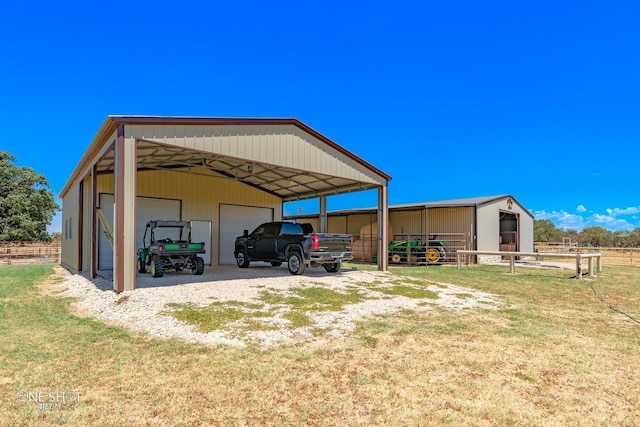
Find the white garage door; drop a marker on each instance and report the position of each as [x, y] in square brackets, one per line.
[146, 209]
[234, 220]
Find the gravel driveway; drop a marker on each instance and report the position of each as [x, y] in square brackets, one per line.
[145, 308]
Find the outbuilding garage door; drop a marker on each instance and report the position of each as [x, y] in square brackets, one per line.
[234, 220]
[146, 209]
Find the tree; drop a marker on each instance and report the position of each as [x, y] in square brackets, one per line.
[27, 205]
[620, 238]
[596, 236]
[543, 230]
[633, 239]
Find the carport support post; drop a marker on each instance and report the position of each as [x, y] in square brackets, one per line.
[512, 265]
[124, 233]
[383, 227]
[323, 215]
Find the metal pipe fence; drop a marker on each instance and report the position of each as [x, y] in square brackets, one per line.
[412, 249]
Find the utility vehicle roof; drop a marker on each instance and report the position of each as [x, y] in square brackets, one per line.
[163, 223]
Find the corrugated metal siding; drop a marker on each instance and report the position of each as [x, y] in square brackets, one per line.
[351, 224]
[86, 225]
[406, 223]
[337, 224]
[526, 233]
[70, 227]
[489, 228]
[451, 220]
[357, 224]
[281, 145]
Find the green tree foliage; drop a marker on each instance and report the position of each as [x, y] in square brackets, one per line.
[546, 231]
[543, 230]
[27, 205]
[633, 239]
[596, 236]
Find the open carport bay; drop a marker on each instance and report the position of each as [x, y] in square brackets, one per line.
[261, 305]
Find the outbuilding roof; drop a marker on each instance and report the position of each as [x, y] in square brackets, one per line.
[285, 181]
[466, 202]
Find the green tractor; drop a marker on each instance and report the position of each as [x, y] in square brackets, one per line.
[434, 253]
[170, 248]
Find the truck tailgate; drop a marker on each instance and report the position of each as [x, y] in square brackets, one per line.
[329, 242]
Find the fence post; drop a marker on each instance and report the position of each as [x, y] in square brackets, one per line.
[459, 261]
[512, 265]
[579, 267]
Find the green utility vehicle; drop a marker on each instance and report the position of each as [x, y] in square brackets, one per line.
[431, 254]
[170, 248]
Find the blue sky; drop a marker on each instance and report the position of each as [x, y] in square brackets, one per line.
[539, 99]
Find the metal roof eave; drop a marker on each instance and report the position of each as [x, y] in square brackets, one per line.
[112, 122]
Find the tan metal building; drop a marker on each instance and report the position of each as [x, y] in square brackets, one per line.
[490, 223]
[223, 174]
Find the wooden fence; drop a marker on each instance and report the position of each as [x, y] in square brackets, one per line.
[610, 256]
[29, 252]
[513, 255]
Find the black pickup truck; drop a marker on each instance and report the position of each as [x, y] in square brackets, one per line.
[293, 243]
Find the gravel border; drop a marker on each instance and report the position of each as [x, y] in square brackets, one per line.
[141, 310]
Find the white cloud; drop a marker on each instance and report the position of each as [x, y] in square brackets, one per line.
[611, 222]
[562, 219]
[626, 211]
[581, 208]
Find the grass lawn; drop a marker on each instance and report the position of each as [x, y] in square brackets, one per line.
[552, 354]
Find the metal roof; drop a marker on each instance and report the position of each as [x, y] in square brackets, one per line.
[466, 202]
[471, 201]
[284, 182]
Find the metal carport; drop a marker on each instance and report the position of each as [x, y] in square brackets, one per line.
[284, 158]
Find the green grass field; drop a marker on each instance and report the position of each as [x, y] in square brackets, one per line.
[552, 354]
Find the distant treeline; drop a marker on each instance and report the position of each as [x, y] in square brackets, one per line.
[545, 231]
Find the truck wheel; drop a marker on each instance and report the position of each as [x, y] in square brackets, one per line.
[332, 268]
[295, 263]
[242, 260]
[157, 267]
[198, 268]
[433, 255]
[141, 267]
[276, 263]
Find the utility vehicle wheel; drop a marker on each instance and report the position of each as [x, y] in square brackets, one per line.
[242, 260]
[276, 263]
[198, 268]
[157, 267]
[332, 268]
[295, 263]
[396, 258]
[141, 267]
[433, 255]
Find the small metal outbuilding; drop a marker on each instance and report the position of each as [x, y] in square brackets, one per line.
[223, 174]
[491, 223]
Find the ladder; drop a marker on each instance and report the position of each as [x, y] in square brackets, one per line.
[105, 226]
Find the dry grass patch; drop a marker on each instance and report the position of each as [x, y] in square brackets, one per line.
[555, 355]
